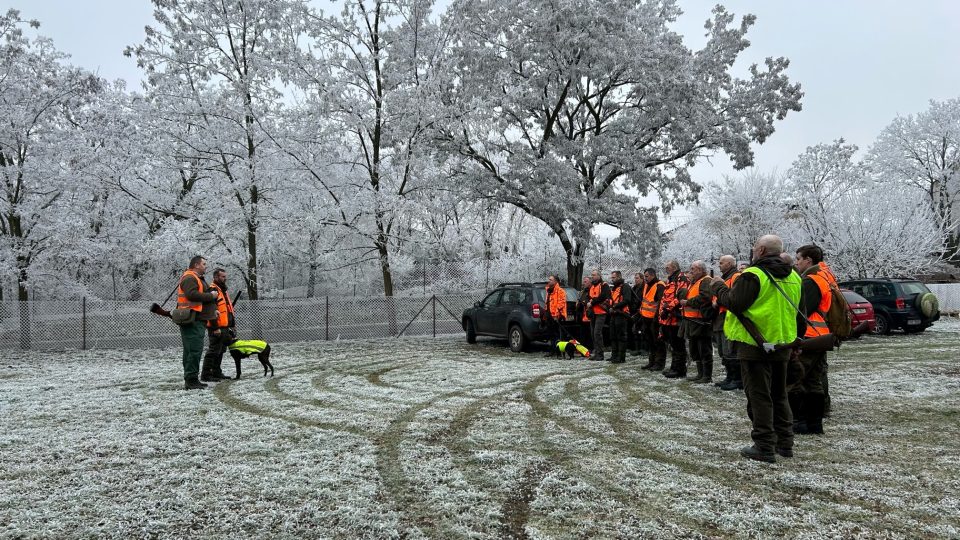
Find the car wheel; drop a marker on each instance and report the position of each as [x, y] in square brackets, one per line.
[518, 341]
[883, 324]
[928, 305]
[471, 332]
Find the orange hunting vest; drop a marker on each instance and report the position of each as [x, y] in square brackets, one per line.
[594, 294]
[224, 308]
[729, 282]
[689, 312]
[557, 302]
[182, 301]
[616, 294]
[648, 306]
[818, 325]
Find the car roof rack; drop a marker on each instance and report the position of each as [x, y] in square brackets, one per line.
[515, 284]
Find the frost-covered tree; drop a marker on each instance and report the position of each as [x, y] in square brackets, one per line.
[882, 229]
[820, 180]
[43, 202]
[868, 225]
[366, 75]
[217, 64]
[571, 110]
[923, 151]
[732, 214]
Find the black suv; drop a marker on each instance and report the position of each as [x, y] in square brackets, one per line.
[513, 311]
[898, 303]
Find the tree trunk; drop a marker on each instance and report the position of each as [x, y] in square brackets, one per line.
[575, 264]
[313, 266]
[23, 304]
[253, 290]
[387, 274]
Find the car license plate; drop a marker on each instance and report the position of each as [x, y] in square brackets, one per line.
[913, 321]
[859, 311]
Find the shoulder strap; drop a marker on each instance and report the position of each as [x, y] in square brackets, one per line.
[752, 329]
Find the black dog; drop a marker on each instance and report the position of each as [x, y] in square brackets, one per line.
[242, 348]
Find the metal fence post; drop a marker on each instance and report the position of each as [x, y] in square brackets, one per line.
[83, 323]
[433, 300]
[326, 318]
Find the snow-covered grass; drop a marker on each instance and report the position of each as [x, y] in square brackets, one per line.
[439, 439]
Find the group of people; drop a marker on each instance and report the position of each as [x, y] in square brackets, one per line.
[751, 314]
[213, 316]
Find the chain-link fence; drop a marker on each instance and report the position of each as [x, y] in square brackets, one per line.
[44, 325]
[99, 324]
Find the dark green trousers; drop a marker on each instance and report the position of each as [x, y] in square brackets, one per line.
[814, 365]
[192, 337]
[619, 326]
[596, 329]
[765, 383]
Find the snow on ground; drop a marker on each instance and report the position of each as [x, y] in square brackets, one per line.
[439, 439]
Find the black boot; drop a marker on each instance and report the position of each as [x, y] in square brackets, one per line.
[660, 363]
[753, 453]
[797, 401]
[707, 372]
[814, 410]
[615, 351]
[729, 376]
[736, 381]
[678, 369]
[699, 375]
[191, 383]
[622, 356]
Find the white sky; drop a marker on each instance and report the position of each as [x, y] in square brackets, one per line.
[860, 62]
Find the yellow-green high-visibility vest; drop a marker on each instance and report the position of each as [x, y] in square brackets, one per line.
[774, 316]
[248, 346]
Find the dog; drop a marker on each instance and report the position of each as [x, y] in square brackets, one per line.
[243, 348]
[570, 348]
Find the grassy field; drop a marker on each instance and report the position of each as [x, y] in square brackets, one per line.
[439, 439]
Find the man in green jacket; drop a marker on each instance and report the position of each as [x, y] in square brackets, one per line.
[194, 294]
[761, 314]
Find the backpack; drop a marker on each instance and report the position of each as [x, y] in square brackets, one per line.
[839, 318]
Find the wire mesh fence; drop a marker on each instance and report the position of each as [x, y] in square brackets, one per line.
[103, 324]
[88, 324]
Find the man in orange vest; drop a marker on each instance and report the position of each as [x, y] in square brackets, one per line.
[635, 342]
[194, 294]
[724, 347]
[220, 330]
[807, 399]
[649, 323]
[670, 313]
[598, 308]
[583, 314]
[621, 300]
[556, 311]
[697, 324]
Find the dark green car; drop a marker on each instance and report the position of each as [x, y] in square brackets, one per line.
[898, 304]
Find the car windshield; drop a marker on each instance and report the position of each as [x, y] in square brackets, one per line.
[913, 287]
[853, 298]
